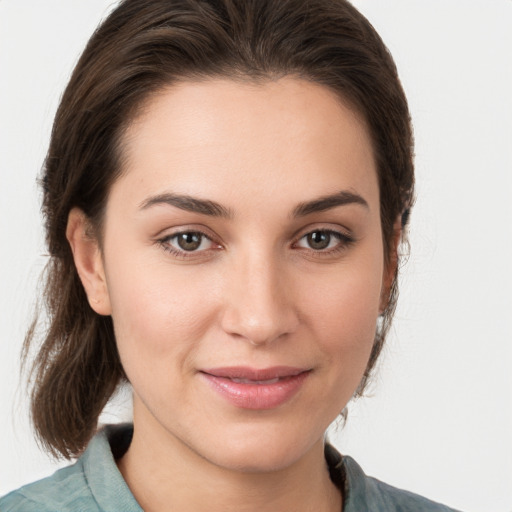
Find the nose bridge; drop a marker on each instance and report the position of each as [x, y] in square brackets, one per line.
[257, 305]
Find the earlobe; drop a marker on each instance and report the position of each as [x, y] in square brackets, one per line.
[390, 270]
[88, 261]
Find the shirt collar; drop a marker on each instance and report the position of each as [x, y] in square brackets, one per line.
[104, 479]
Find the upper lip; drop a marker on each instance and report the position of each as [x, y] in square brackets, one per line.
[256, 374]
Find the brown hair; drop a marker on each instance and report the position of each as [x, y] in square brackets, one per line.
[141, 47]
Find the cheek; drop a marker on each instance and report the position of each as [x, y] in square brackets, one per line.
[158, 314]
[342, 308]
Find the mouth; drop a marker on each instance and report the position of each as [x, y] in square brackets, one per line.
[251, 388]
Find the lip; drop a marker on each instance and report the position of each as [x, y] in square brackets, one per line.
[254, 388]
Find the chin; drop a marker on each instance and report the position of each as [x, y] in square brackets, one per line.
[258, 451]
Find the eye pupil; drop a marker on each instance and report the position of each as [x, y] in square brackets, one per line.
[319, 240]
[189, 241]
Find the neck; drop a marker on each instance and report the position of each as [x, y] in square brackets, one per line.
[165, 474]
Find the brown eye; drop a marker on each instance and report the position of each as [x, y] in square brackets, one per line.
[189, 241]
[318, 240]
[188, 244]
[324, 241]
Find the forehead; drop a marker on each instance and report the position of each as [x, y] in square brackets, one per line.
[215, 137]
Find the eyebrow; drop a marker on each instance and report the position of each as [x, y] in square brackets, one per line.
[214, 209]
[188, 203]
[327, 202]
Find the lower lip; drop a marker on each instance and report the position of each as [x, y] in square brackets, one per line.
[257, 396]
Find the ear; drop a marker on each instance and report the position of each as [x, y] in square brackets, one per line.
[390, 266]
[88, 261]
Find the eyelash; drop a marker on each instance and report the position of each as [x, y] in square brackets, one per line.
[344, 240]
[165, 243]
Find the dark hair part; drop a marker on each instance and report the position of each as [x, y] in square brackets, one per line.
[140, 48]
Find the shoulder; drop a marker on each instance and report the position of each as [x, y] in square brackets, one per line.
[66, 489]
[364, 493]
[381, 496]
[92, 484]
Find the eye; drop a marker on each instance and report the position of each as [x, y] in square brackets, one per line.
[323, 240]
[188, 241]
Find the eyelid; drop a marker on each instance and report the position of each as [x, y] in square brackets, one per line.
[344, 237]
[170, 231]
[324, 227]
[164, 237]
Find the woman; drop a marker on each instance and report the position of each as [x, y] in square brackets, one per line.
[225, 192]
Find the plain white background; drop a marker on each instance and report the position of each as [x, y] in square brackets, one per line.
[439, 421]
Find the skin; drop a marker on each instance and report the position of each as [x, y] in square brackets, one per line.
[254, 293]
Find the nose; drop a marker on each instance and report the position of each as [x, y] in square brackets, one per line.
[259, 302]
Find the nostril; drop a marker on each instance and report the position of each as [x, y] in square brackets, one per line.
[259, 329]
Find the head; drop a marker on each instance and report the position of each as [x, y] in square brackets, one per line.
[139, 51]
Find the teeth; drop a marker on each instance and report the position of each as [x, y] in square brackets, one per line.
[248, 381]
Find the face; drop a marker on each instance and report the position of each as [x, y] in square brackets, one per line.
[243, 267]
